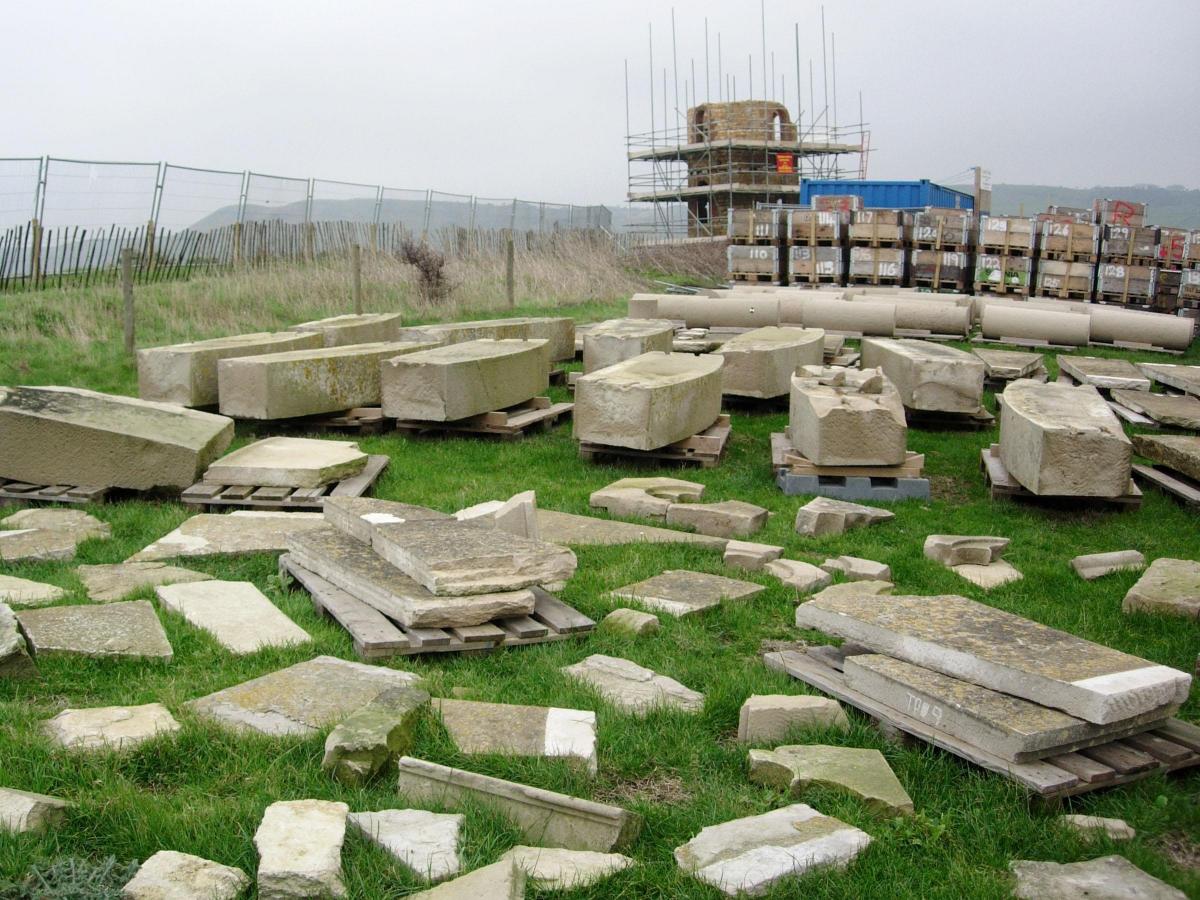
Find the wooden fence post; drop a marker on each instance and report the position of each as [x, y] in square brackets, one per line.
[356, 273]
[127, 295]
[509, 285]
[35, 262]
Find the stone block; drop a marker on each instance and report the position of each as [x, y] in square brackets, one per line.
[632, 688]
[855, 568]
[930, 377]
[841, 417]
[22, 811]
[681, 593]
[1180, 452]
[823, 516]
[299, 845]
[1174, 411]
[288, 462]
[770, 718]
[990, 575]
[760, 363]
[1169, 587]
[1104, 373]
[1008, 365]
[502, 880]
[113, 728]
[367, 328]
[616, 340]
[235, 533]
[128, 629]
[1096, 565]
[362, 744]
[236, 614]
[15, 661]
[512, 730]
[357, 516]
[555, 869]
[1103, 878]
[23, 592]
[425, 843]
[804, 577]
[957, 550]
[106, 583]
[863, 773]
[648, 498]
[750, 556]
[557, 331]
[729, 518]
[168, 875]
[516, 515]
[1182, 378]
[631, 621]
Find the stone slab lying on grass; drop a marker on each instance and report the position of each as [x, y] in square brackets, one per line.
[106, 583]
[501, 880]
[1002, 651]
[855, 568]
[929, 376]
[128, 629]
[1180, 452]
[555, 869]
[768, 718]
[804, 577]
[729, 518]
[236, 614]
[516, 515]
[1090, 826]
[357, 516]
[23, 592]
[425, 842]
[863, 773]
[1182, 378]
[750, 855]
[299, 845]
[648, 498]
[1170, 587]
[168, 875]
[1007, 365]
[853, 589]
[1103, 878]
[823, 515]
[631, 621]
[302, 699]
[846, 417]
[288, 462]
[219, 534]
[750, 556]
[569, 529]
[1176, 411]
[1104, 373]
[759, 363]
[63, 435]
[361, 328]
[73, 522]
[15, 661]
[362, 744]
[110, 727]
[616, 340]
[956, 550]
[988, 576]
[33, 545]
[46, 534]
[512, 730]
[1096, 565]
[632, 688]
[550, 818]
[22, 811]
[679, 592]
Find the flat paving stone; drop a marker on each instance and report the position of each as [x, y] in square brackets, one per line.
[512, 730]
[15, 660]
[569, 529]
[1175, 411]
[501, 880]
[110, 727]
[555, 869]
[750, 855]
[823, 515]
[299, 846]
[631, 687]
[1182, 378]
[288, 462]
[236, 533]
[426, 843]
[804, 577]
[75, 522]
[357, 516]
[106, 583]
[302, 699]
[864, 773]
[853, 589]
[769, 718]
[1180, 452]
[372, 736]
[23, 811]
[631, 621]
[1091, 566]
[679, 592]
[1102, 372]
[236, 613]
[128, 629]
[23, 592]
[33, 545]
[992, 575]
[168, 875]
[1169, 587]
[729, 518]
[1093, 826]
[1103, 878]
[48, 534]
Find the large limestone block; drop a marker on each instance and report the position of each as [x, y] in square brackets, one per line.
[186, 374]
[1180, 452]
[461, 380]
[760, 363]
[218, 534]
[614, 341]
[426, 843]
[513, 730]
[64, 435]
[129, 629]
[557, 331]
[371, 737]
[863, 773]
[288, 462]
[368, 328]
[547, 817]
[1101, 372]
[236, 613]
[299, 845]
[15, 661]
[632, 688]
[22, 811]
[113, 728]
[168, 875]
[1057, 440]
[1103, 878]
[929, 376]
[1170, 587]
[307, 382]
[842, 417]
[649, 401]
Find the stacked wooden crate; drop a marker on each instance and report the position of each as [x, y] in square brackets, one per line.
[877, 239]
[1005, 255]
[940, 248]
[1172, 258]
[755, 252]
[1067, 252]
[1189, 277]
[815, 243]
[1128, 254]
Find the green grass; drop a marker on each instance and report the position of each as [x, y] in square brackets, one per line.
[203, 791]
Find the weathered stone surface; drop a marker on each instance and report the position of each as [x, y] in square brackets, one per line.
[308, 382]
[106, 583]
[1103, 878]
[110, 727]
[804, 577]
[1104, 373]
[550, 818]
[769, 718]
[631, 621]
[186, 374]
[760, 363]
[236, 613]
[1091, 566]
[629, 687]
[29, 544]
[569, 529]
[1113, 829]
[616, 340]
[645, 497]
[22, 592]
[729, 518]
[557, 331]
[1008, 726]
[116, 629]
[992, 575]
[1057, 440]
[1175, 451]
[374, 735]
[355, 567]
[425, 842]
[513, 730]
[299, 845]
[338, 331]
[648, 401]
[45, 534]
[1177, 411]
[956, 549]
[516, 515]
[1182, 378]
[750, 855]
[861, 772]
[679, 592]
[929, 376]
[66, 435]
[22, 811]
[168, 875]
[1007, 365]
[15, 661]
[1170, 587]
[844, 417]
[750, 556]
[356, 516]
[302, 699]
[462, 380]
[855, 568]
[502, 880]
[243, 531]
[554, 869]
[288, 462]
[1001, 651]
[854, 588]
[823, 515]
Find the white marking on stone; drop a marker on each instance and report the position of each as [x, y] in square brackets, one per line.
[382, 518]
[572, 732]
[760, 867]
[1118, 682]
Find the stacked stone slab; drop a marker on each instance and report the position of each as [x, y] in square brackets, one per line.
[288, 462]
[338, 331]
[617, 340]
[846, 417]
[930, 377]
[1103, 373]
[760, 363]
[1180, 452]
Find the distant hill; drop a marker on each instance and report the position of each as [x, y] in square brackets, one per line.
[1172, 205]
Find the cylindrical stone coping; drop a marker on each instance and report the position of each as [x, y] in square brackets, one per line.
[720, 312]
[1111, 324]
[1031, 323]
[936, 318]
[857, 316]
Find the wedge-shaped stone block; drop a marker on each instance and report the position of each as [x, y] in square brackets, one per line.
[760, 363]
[631, 621]
[930, 377]
[769, 718]
[570, 530]
[729, 518]
[1096, 565]
[15, 661]
[1001, 651]
[1007, 365]
[425, 842]
[516, 515]
[679, 592]
[357, 516]
[513, 730]
[307, 382]
[462, 380]
[1062, 441]
[804, 577]
[550, 818]
[299, 845]
[1175, 451]
[748, 856]
[236, 533]
[634, 689]
[1093, 826]
[823, 515]
[616, 340]
[129, 629]
[1169, 587]
[186, 374]
[1103, 878]
[861, 772]
[555, 869]
[502, 880]
[23, 592]
[64, 435]
[366, 328]
[648, 498]
[106, 583]
[1104, 373]
[288, 462]
[842, 417]
[21, 811]
[750, 556]
[1173, 410]
[302, 699]
[648, 401]
[374, 735]
[110, 727]
[957, 549]
[168, 875]
[236, 613]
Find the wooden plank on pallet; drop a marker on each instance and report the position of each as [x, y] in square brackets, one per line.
[272, 494]
[200, 491]
[474, 634]
[357, 485]
[1125, 759]
[237, 492]
[1086, 769]
[556, 614]
[1168, 481]
[1160, 748]
[523, 627]
[1180, 732]
[372, 632]
[427, 637]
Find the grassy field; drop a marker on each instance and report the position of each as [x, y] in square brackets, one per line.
[204, 790]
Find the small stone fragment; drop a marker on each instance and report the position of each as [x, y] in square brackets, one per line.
[826, 516]
[22, 811]
[425, 842]
[236, 613]
[768, 718]
[1096, 565]
[992, 575]
[804, 577]
[681, 593]
[648, 498]
[956, 550]
[1170, 587]
[729, 518]
[555, 869]
[1103, 878]
[750, 556]
[632, 688]
[299, 846]
[110, 727]
[631, 621]
[15, 661]
[129, 629]
[1113, 829]
[372, 736]
[107, 583]
[168, 875]
[855, 568]
[870, 587]
[862, 772]
[501, 880]
[516, 515]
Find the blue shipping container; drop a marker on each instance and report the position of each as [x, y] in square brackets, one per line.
[888, 194]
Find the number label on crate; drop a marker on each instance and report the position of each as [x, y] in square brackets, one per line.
[762, 230]
[888, 269]
[925, 233]
[1110, 271]
[760, 252]
[825, 267]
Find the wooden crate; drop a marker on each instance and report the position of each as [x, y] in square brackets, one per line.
[1126, 283]
[205, 496]
[1119, 212]
[537, 414]
[754, 264]
[940, 269]
[878, 228]
[815, 228]
[1002, 485]
[876, 265]
[816, 265]
[944, 229]
[1069, 241]
[1064, 279]
[755, 226]
[999, 274]
[1011, 236]
[704, 449]
[1129, 244]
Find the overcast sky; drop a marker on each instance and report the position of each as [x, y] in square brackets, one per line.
[527, 97]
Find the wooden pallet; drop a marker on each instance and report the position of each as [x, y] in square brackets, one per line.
[538, 414]
[1068, 256]
[375, 636]
[1123, 298]
[1174, 746]
[1002, 485]
[1005, 250]
[21, 493]
[757, 278]
[986, 287]
[880, 243]
[938, 419]
[704, 449]
[1065, 294]
[359, 420]
[814, 279]
[785, 456]
[205, 496]
[943, 246]
[1174, 483]
[882, 280]
[942, 285]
